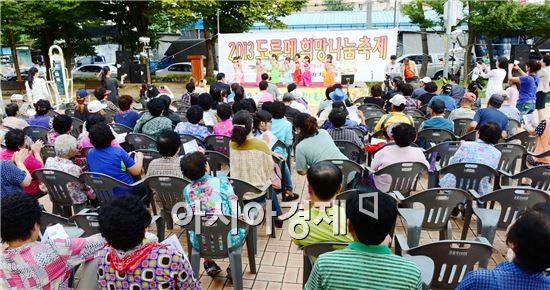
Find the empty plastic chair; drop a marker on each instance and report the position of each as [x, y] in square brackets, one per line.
[452, 259]
[37, 133]
[121, 129]
[350, 170]
[437, 205]
[169, 190]
[219, 143]
[539, 177]
[148, 156]
[460, 126]
[141, 141]
[404, 175]
[46, 152]
[351, 151]
[440, 155]
[215, 161]
[57, 183]
[432, 137]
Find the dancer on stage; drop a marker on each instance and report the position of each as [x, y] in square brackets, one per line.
[328, 73]
[259, 71]
[287, 71]
[297, 75]
[275, 70]
[238, 66]
[306, 77]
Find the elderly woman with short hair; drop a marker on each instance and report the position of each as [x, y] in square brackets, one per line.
[65, 149]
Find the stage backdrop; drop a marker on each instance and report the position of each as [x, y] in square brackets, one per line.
[363, 53]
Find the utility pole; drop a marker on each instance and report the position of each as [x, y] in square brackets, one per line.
[394, 13]
[369, 14]
[448, 14]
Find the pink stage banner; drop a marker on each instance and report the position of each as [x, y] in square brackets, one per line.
[363, 53]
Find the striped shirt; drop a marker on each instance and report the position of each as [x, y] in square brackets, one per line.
[345, 134]
[361, 266]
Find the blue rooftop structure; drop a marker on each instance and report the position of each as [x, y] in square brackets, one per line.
[346, 20]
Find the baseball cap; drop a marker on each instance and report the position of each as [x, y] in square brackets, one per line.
[337, 95]
[95, 106]
[82, 93]
[398, 100]
[470, 96]
[425, 80]
[496, 99]
[447, 88]
[17, 97]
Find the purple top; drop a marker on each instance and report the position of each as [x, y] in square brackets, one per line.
[43, 121]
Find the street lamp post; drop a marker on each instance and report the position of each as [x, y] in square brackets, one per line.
[146, 48]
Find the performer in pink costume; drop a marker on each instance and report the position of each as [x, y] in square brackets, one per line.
[306, 77]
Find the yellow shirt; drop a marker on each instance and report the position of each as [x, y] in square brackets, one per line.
[317, 230]
[393, 117]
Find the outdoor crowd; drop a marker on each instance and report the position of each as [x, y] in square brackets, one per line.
[264, 131]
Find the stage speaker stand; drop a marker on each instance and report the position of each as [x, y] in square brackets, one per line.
[138, 73]
[520, 52]
[123, 62]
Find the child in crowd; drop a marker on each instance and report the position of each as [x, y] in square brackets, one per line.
[194, 115]
[225, 126]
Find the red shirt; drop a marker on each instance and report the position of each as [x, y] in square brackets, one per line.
[408, 72]
[31, 163]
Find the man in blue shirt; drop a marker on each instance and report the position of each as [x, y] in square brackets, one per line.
[420, 91]
[456, 90]
[491, 114]
[529, 253]
[437, 119]
[445, 96]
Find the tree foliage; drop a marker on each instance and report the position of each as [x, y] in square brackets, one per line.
[337, 5]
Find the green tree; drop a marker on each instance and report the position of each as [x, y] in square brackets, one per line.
[234, 17]
[337, 5]
[17, 19]
[415, 11]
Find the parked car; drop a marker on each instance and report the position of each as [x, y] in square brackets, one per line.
[5, 59]
[12, 76]
[91, 70]
[175, 69]
[91, 59]
[435, 64]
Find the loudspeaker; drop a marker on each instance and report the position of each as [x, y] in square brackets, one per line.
[138, 73]
[520, 52]
[123, 62]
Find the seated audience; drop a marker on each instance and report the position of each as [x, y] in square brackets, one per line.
[206, 102]
[542, 131]
[81, 107]
[367, 262]
[132, 260]
[168, 145]
[288, 100]
[251, 159]
[445, 96]
[192, 127]
[456, 90]
[152, 122]
[349, 123]
[126, 116]
[513, 92]
[396, 115]
[15, 175]
[327, 102]
[13, 119]
[509, 109]
[101, 95]
[263, 95]
[298, 102]
[62, 124]
[324, 183]
[84, 141]
[22, 104]
[437, 119]
[15, 141]
[337, 118]
[271, 87]
[41, 118]
[491, 114]
[375, 96]
[410, 104]
[422, 88]
[465, 111]
[404, 136]
[168, 113]
[244, 104]
[308, 150]
[480, 151]
[218, 193]
[430, 88]
[337, 96]
[113, 161]
[225, 125]
[528, 241]
[25, 262]
[65, 149]
[189, 94]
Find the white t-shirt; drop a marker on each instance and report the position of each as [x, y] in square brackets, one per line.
[39, 90]
[496, 78]
[544, 79]
[393, 69]
[475, 74]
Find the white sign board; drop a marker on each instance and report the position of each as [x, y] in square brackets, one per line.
[363, 53]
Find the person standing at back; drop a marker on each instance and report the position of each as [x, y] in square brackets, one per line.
[528, 85]
[220, 83]
[110, 84]
[495, 76]
[36, 87]
[367, 262]
[543, 88]
[409, 70]
[393, 68]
